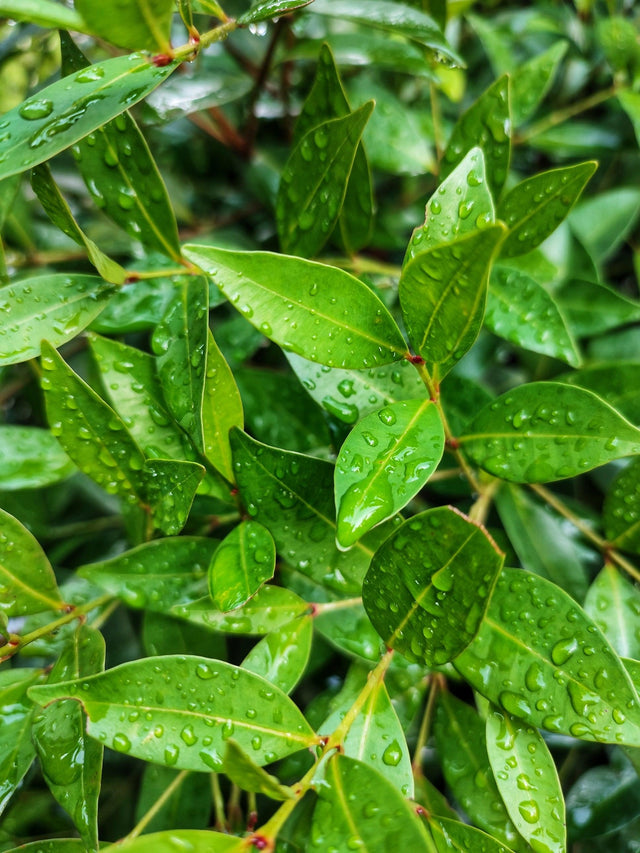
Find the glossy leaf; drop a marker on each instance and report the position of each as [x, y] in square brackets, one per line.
[314, 182]
[264, 10]
[358, 806]
[603, 800]
[168, 729]
[593, 308]
[138, 24]
[221, 409]
[248, 776]
[55, 845]
[615, 382]
[352, 394]
[453, 835]
[350, 630]
[170, 486]
[531, 81]
[334, 326]
[194, 840]
[242, 562]
[156, 575]
[281, 657]
[384, 462]
[522, 311]
[66, 305]
[27, 581]
[563, 675]
[30, 457]
[121, 175]
[16, 712]
[534, 208]
[461, 744]
[527, 780]
[71, 762]
[443, 293]
[69, 109]
[461, 204]
[59, 213]
[613, 604]
[621, 512]
[545, 431]
[429, 585]
[487, 124]
[44, 13]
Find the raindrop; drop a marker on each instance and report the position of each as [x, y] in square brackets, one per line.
[38, 108]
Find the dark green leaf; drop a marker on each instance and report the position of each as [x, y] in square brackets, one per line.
[432, 799]
[138, 24]
[613, 603]
[443, 293]
[248, 776]
[170, 487]
[66, 304]
[189, 807]
[264, 10]
[164, 635]
[531, 81]
[545, 431]
[621, 513]
[221, 409]
[185, 709]
[338, 321]
[453, 835]
[281, 657]
[30, 457]
[69, 109]
[244, 560]
[562, 673]
[16, 712]
[602, 800]
[384, 462]
[615, 382]
[348, 628]
[593, 308]
[429, 585]
[534, 208]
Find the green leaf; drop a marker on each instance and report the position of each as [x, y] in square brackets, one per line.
[170, 486]
[69, 109]
[55, 845]
[433, 800]
[71, 762]
[593, 308]
[16, 712]
[534, 208]
[30, 457]
[429, 585]
[443, 293]
[314, 182]
[630, 103]
[221, 409]
[281, 657]
[194, 840]
[521, 311]
[531, 526]
[395, 18]
[27, 581]
[461, 744]
[527, 780]
[187, 708]
[384, 462]
[603, 800]
[621, 511]
[602, 222]
[66, 304]
[189, 807]
[244, 560]
[545, 431]
[358, 806]
[138, 24]
[164, 635]
[44, 13]
[348, 629]
[244, 773]
[487, 124]
[352, 394]
[616, 382]
[563, 675]
[453, 835]
[530, 81]
[461, 204]
[267, 9]
[613, 604]
[156, 575]
[337, 321]
[59, 213]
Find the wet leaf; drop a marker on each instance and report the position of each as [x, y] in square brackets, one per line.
[616, 382]
[122, 176]
[281, 657]
[243, 561]
[221, 409]
[545, 431]
[195, 840]
[69, 109]
[521, 311]
[248, 776]
[564, 675]
[358, 806]
[349, 630]
[186, 709]
[44, 13]
[622, 510]
[534, 208]
[170, 486]
[66, 305]
[613, 603]
[443, 293]
[384, 462]
[27, 581]
[461, 204]
[453, 835]
[16, 711]
[338, 321]
[71, 762]
[527, 780]
[138, 24]
[487, 124]
[429, 585]
[264, 10]
[531, 81]
[314, 182]
[30, 457]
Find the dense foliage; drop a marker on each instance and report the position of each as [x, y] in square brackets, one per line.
[320, 443]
